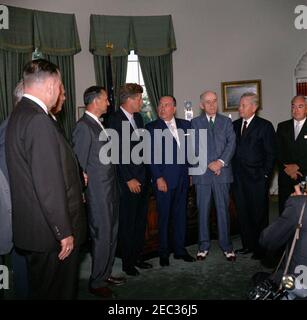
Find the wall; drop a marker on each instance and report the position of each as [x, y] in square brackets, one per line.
[217, 40]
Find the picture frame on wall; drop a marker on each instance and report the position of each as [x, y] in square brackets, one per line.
[81, 111]
[233, 90]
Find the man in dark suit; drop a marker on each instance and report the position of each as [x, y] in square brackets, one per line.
[253, 164]
[48, 215]
[292, 150]
[102, 196]
[170, 180]
[133, 180]
[215, 181]
[281, 232]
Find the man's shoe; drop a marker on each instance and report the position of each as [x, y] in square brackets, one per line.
[185, 257]
[230, 256]
[103, 292]
[117, 281]
[202, 255]
[243, 251]
[131, 271]
[164, 261]
[143, 265]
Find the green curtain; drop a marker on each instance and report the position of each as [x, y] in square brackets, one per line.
[11, 66]
[16, 45]
[67, 117]
[53, 34]
[59, 47]
[158, 76]
[151, 37]
[119, 73]
[147, 35]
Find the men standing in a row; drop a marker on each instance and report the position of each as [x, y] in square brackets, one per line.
[253, 164]
[170, 180]
[48, 215]
[292, 150]
[221, 143]
[133, 181]
[102, 197]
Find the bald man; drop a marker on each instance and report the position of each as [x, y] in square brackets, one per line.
[221, 143]
[292, 150]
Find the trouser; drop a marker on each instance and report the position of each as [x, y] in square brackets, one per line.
[220, 192]
[51, 278]
[172, 204]
[132, 224]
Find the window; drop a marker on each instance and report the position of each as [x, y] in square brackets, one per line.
[134, 75]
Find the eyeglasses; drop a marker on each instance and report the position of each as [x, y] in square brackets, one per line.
[300, 107]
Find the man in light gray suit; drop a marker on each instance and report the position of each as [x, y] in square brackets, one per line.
[218, 176]
[101, 193]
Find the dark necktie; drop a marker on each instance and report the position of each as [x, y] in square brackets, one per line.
[244, 128]
[211, 122]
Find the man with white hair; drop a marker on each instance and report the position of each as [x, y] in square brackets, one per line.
[292, 150]
[253, 164]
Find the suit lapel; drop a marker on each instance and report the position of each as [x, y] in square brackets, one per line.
[95, 126]
[252, 125]
[303, 131]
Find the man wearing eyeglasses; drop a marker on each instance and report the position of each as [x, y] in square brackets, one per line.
[292, 150]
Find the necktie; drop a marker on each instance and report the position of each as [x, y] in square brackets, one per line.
[132, 121]
[244, 128]
[296, 130]
[174, 132]
[211, 122]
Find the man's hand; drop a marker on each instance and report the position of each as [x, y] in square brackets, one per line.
[297, 191]
[215, 166]
[67, 245]
[161, 184]
[292, 170]
[134, 186]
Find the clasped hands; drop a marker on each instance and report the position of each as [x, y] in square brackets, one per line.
[292, 170]
[216, 166]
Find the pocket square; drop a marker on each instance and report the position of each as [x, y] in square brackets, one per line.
[305, 136]
[187, 134]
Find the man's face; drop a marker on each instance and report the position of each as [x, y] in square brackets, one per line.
[166, 108]
[61, 98]
[136, 102]
[102, 102]
[53, 90]
[209, 103]
[298, 108]
[247, 108]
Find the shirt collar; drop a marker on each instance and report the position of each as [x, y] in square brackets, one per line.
[172, 121]
[128, 114]
[93, 117]
[248, 120]
[301, 122]
[36, 100]
[52, 116]
[212, 117]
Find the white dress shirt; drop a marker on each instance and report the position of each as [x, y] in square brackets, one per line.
[36, 100]
[298, 126]
[173, 129]
[97, 120]
[248, 122]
